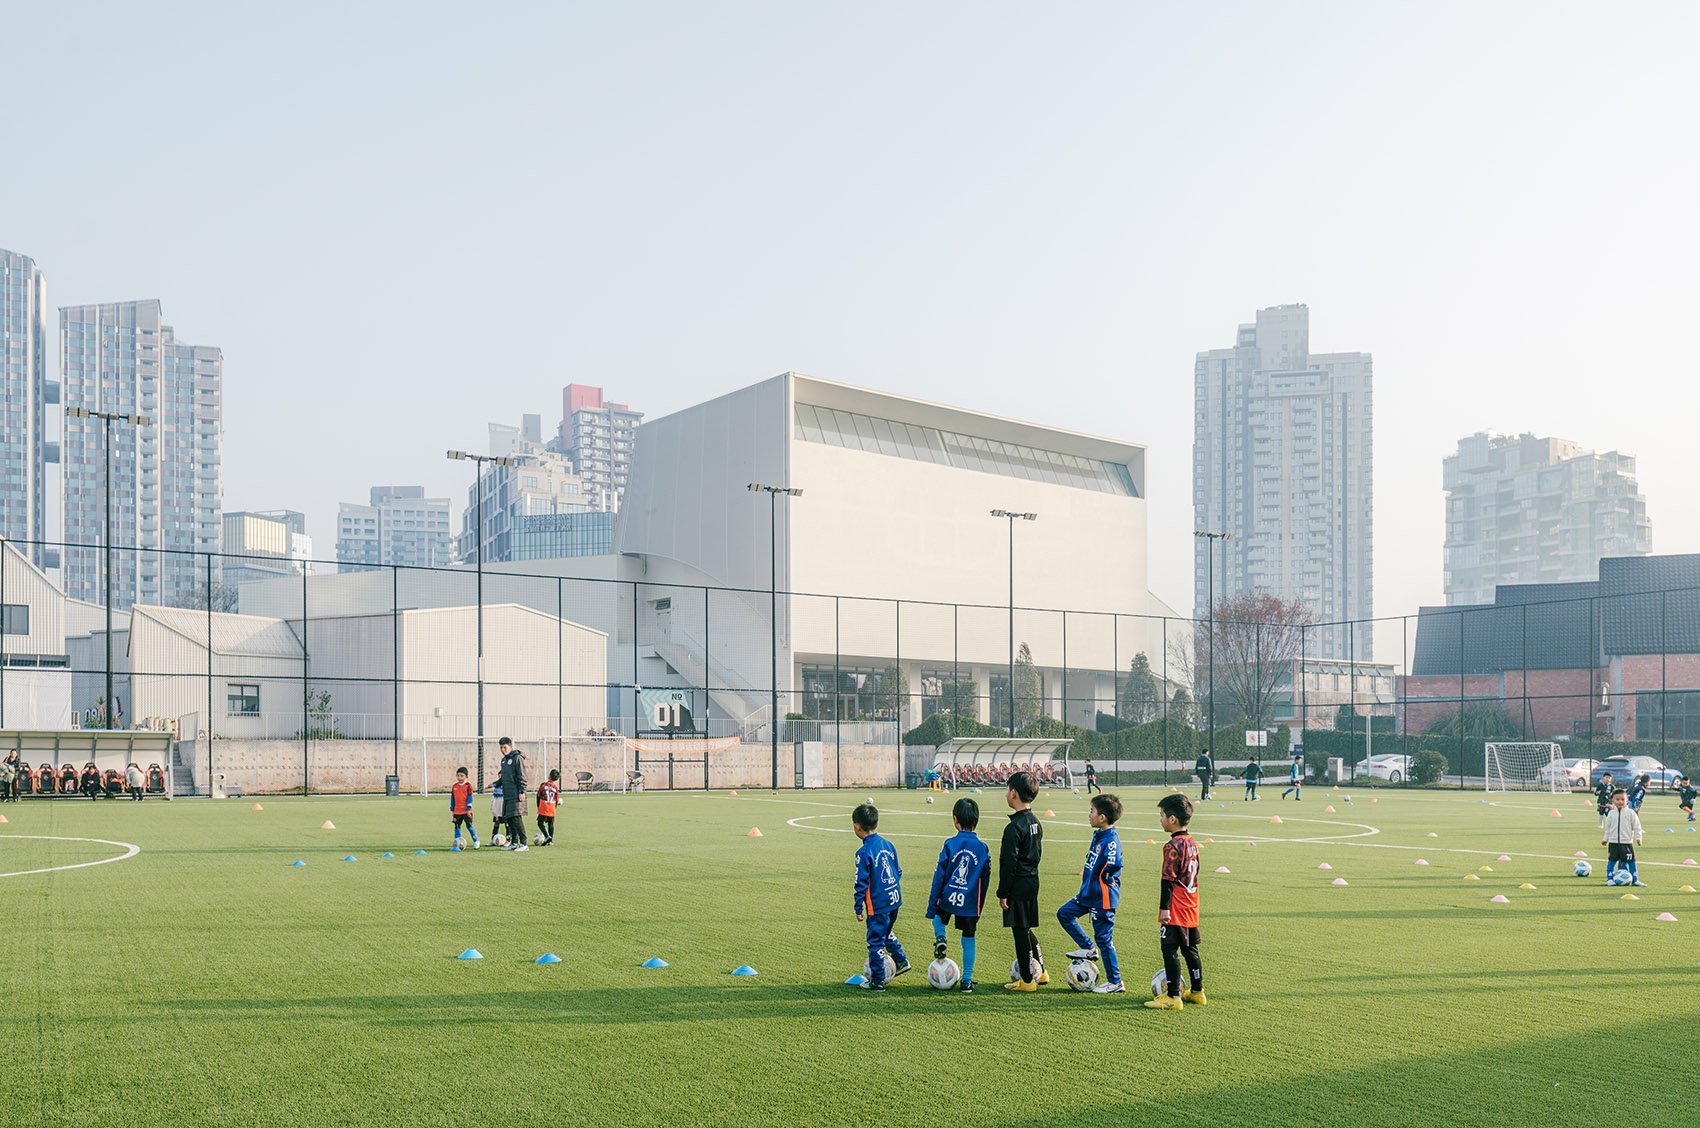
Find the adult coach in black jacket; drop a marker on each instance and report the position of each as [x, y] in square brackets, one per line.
[1205, 769]
[511, 775]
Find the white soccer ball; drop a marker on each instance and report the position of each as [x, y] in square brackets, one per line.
[1082, 975]
[1015, 969]
[1583, 869]
[539, 839]
[1160, 983]
[944, 974]
[1077, 791]
[890, 967]
[499, 840]
[929, 798]
[1622, 877]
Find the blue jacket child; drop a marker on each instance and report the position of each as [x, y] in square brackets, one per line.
[1100, 893]
[960, 881]
[879, 894]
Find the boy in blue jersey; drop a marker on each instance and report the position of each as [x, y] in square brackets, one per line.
[879, 894]
[959, 887]
[1685, 796]
[1100, 893]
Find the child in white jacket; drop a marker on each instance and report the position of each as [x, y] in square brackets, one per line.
[1621, 835]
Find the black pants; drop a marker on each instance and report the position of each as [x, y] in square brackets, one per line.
[1091, 783]
[516, 828]
[546, 827]
[1180, 944]
[1204, 785]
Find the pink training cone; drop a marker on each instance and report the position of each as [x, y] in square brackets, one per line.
[1688, 861]
[1223, 869]
[1328, 810]
[1338, 881]
[1274, 818]
[1501, 899]
[1503, 858]
[1664, 916]
[1324, 865]
[329, 825]
[1581, 853]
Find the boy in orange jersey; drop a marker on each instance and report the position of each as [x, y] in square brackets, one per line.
[460, 806]
[548, 794]
[1177, 906]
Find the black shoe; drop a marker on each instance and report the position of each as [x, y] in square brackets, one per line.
[939, 949]
[901, 968]
[967, 987]
[872, 986]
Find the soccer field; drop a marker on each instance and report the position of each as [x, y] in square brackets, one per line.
[206, 980]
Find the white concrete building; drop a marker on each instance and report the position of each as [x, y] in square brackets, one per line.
[35, 677]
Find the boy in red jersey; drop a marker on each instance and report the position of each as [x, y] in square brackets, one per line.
[1177, 906]
[548, 794]
[460, 806]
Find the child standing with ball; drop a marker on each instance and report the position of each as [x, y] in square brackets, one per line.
[1177, 906]
[1018, 881]
[1100, 893]
[1622, 833]
[879, 894]
[959, 887]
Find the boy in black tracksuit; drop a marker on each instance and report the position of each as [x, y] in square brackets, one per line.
[1018, 880]
[1602, 795]
[1685, 796]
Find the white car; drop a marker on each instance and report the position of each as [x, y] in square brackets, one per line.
[1577, 771]
[1390, 766]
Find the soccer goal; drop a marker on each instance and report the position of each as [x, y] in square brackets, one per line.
[1526, 766]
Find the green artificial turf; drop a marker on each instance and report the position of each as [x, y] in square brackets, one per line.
[207, 981]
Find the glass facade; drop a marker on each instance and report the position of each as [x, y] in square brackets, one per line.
[965, 452]
[546, 536]
[24, 395]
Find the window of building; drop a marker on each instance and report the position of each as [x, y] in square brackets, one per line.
[15, 619]
[242, 699]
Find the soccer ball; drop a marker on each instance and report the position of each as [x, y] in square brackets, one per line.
[1082, 975]
[1077, 791]
[1583, 869]
[929, 798]
[1015, 969]
[1622, 877]
[944, 974]
[499, 840]
[539, 839]
[1160, 983]
[890, 968]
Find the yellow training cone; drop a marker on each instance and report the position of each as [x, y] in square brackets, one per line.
[1630, 897]
[1471, 877]
[1525, 885]
[1686, 889]
[1487, 869]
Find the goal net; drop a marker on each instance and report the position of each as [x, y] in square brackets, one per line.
[1526, 766]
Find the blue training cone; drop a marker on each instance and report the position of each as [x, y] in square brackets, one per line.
[388, 855]
[470, 954]
[419, 851]
[743, 969]
[297, 862]
[654, 961]
[351, 858]
[856, 980]
[547, 958]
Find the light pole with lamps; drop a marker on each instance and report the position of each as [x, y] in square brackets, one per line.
[1012, 516]
[478, 539]
[773, 493]
[1210, 598]
[107, 419]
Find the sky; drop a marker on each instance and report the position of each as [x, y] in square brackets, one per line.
[403, 221]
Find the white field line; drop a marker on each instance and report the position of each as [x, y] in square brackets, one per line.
[130, 851]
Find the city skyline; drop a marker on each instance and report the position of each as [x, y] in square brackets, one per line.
[1121, 231]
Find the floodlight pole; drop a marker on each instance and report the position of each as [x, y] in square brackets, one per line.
[1012, 515]
[107, 419]
[773, 493]
[1210, 585]
[478, 539]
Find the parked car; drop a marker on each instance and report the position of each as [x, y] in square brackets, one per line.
[1624, 769]
[1577, 771]
[1390, 766]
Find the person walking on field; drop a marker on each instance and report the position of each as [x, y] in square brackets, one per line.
[1205, 769]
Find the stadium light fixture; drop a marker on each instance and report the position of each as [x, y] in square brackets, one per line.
[1210, 598]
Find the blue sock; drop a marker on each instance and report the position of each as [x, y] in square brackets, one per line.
[968, 957]
[938, 930]
[1633, 876]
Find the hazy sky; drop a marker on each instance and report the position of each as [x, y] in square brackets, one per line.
[402, 221]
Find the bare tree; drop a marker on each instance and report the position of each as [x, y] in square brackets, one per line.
[1256, 637]
[198, 597]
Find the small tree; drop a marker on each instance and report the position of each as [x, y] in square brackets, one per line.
[1182, 709]
[1028, 700]
[1141, 698]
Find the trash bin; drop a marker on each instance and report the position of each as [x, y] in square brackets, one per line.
[392, 785]
[218, 785]
[914, 781]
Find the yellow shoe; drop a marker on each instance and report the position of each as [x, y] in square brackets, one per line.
[1194, 997]
[1021, 985]
[1044, 976]
[1164, 1002]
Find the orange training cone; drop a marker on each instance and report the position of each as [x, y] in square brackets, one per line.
[3, 818]
[1556, 815]
[329, 825]
[1050, 814]
[1274, 818]
[257, 807]
[755, 832]
[731, 793]
[1328, 810]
